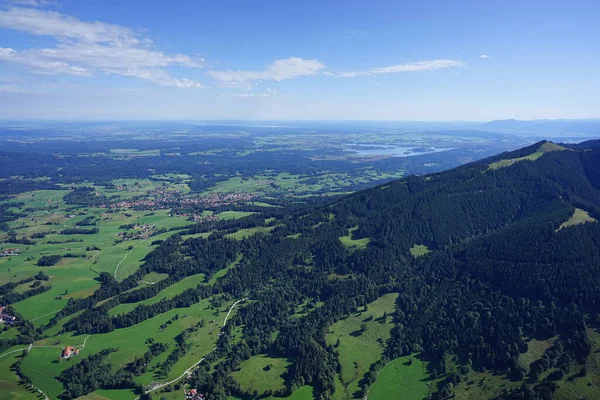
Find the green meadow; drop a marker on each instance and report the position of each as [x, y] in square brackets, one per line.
[351, 243]
[403, 378]
[360, 340]
[419, 250]
[261, 373]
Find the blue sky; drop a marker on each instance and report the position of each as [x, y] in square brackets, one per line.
[339, 60]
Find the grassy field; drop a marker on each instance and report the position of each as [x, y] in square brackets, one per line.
[579, 217]
[42, 365]
[227, 215]
[535, 350]
[586, 387]
[167, 293]
[419, 250]
[361, 340]
[261, 373]
[77, 277]
[9, 383]
[543, 149]
[244, 233]
[482, 385]
[303, 393]
[354, 243]
[402, 379]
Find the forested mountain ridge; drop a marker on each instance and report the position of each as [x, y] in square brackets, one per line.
[483, 262]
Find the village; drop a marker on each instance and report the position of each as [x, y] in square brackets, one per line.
[164, 199]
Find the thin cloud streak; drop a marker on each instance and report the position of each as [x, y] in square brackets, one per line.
[419, 66]
[294, 67]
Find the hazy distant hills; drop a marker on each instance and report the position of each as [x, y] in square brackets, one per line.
[545, 127]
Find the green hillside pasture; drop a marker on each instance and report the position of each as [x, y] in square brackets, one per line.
[543, 149]
[227, 215]
[73, 280]
[167, 293]
[253, 373]
[535, 351]
[303, 393]
[175, 289]
[105, 239]
[586, 387]
[76, 277]
[41, 366]
[10, 389]
[482, 385]
[579, 217]
[399, 380]
[247, 232]
[359, 351]
[41, 198]
[419, 250]
[221, 273]
[116, 394]
[354, 243]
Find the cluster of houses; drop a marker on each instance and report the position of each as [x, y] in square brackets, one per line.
[219, 199]
[201, 218]
[141, 232]
[9, 252]
[69, 352]
[160, 199]
[164, 199]
[6, 318]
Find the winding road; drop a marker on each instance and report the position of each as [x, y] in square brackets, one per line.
[31, 346]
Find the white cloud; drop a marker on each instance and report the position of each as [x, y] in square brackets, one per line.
[432, 65]
[85, 48]
[267, 93]
[31, 3]
[279, 70]
[484, 56]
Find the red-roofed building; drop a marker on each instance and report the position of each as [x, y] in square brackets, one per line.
[69, 352]
[194, 395]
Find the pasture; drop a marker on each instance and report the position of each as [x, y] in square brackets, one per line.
[353, 244]
[360, 339]
[403, 378]
[261, 373]
[419, 250]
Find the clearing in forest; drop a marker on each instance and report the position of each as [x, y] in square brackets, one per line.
[351, 243]
[579, 217]
[360, 339]
[419, 250]
[403, 378]
[261, 373]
